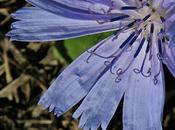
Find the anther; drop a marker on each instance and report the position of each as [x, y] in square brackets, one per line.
[135, 38]
[148, 45]
[127, 40]
[152, 28]
[146, 17]
[119, 18]
[162, 19]
[129, 8]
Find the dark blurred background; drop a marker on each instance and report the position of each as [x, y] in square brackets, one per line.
[27, 69]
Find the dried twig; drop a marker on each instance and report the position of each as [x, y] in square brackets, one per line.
[9, 77]
[10, 90]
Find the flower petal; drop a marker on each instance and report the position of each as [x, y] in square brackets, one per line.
[143, 105]
[74, 9]
[83, 9]
[130, 2]
[40, 25]
[170, 59]
[78, 79]
[171, 30]
[76, 5]
[144, 99]
[100, 104]
[168, 3]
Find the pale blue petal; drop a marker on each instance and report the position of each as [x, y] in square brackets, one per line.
[120, 3]
[72, 8]
[40, 25]
[144, 100]
[171, 19]
[82, 9]
[77, 80]
[171, 30]
[130, 2]
[169, 59]
[100, 104]
[167, 3]
[170, 24]
[170, 11]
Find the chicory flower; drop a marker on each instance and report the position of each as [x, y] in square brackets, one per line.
[127, 64]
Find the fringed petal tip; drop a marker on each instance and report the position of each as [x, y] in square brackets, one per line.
[48, 104]
[7, 34]
[92, 126]
[32, 25]
[11, 39]
[13, 15]
[103, 126]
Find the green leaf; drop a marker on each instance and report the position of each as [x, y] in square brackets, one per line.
[78, 45]
[58, 55]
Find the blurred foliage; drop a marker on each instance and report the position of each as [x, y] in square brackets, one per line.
[78, 45]
[27, 69]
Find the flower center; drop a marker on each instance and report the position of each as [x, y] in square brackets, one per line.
[147, 25]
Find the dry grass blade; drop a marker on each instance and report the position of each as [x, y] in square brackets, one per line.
[1, 69]
[4, 12]
[28, 123]
[17, 54]
[10, 90]
[9, 77]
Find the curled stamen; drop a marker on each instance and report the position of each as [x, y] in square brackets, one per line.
[159, 71]
[139, 25]
[147, 74]
[127, 41]
[121, 71]
[120, 30]
[136, 70]
[104, 57]
[155, 80]
[94, 17]
[106, 63]
[161, 42]
[109, 17]
[118, 79]
[95, 49]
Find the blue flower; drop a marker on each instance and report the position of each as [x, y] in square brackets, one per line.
[127, 64]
